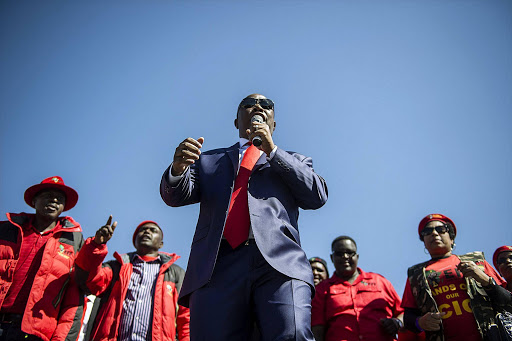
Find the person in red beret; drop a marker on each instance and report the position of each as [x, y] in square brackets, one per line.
[450, 297]
[319, 268]
[138, 290]
[39, 299]
[502, 260]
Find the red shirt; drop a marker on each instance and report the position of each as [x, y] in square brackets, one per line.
[353, 311]
[450, 293]
[31, 254]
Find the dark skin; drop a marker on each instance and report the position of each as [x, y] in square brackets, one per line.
[188, 150]
[505, 267]
[148, 239]
[319, 272]
[440, 245]
[49, 204]
[346, 268]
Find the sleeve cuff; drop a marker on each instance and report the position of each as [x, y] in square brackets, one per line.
[272, 153]
[174, 179]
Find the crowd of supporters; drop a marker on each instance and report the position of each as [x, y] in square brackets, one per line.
[54, 285]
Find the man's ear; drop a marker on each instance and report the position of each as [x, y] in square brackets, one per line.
[236, 123]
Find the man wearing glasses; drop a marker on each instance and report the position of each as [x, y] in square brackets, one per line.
[353, 304]
[246, 266]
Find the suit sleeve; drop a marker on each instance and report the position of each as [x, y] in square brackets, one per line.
[90, 274]
[308, 188]
[185, 191]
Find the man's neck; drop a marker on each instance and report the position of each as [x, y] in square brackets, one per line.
[43, 225]
[147, 253]
[349, 277]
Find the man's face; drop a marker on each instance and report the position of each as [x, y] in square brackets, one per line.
[247, 110]
[148, 238]
[49, 203]
[505, 265]
[344, 257]
[437, 244]
[319, 272]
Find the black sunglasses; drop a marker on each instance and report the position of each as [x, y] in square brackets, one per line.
[427, 231]
[265, 103]
[348, 254]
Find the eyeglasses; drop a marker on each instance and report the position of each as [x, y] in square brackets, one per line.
[347, 254]
[265, 103]
[427, 231]
[503, 260]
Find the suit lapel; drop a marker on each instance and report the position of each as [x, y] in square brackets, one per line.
[233, 155]
[262, 162]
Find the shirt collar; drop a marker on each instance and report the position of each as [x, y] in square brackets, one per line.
[243, 141]
[139, 259]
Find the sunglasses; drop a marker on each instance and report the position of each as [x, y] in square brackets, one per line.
[503, 260]
[427, 231]
[340, 254]
[265, 103]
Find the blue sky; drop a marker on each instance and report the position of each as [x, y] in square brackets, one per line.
[404, 106]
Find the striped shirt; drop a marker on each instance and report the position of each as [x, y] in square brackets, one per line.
[137, 314]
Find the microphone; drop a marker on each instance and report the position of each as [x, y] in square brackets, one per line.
[256, 140]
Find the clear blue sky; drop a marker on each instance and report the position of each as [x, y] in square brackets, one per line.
[404, 106]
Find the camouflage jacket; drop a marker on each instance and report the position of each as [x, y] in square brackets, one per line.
[480, 300]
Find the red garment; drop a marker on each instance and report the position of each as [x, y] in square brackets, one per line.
[30, 256]
[166, 314]
[54, 307]
[449, 291]
[353, 311]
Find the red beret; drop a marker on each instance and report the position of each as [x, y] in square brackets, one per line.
[142, 224]
[435, 217]
[53, 182]
[497, 253]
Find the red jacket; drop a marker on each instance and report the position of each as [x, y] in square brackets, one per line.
[55, 306]
[114, 276]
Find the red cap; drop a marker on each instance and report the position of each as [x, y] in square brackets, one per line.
[142, 224]
[54, 182]
[435, 217]
[497, 253]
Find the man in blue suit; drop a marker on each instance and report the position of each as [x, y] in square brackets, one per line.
[265, 277]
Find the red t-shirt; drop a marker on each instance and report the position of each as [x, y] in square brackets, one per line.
[353, 311]
[450, 293]
[31, 254]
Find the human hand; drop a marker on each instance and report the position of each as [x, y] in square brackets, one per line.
[390, 325]
[263, 131]
[105, 232]
[431, 321]
[471, 270]
[186, 154]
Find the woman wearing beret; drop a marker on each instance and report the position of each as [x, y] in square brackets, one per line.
[449, 297]
[502, 260]
[320, 271]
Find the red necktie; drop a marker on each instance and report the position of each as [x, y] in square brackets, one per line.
[236, 230]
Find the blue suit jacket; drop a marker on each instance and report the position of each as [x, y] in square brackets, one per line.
[277, 188]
